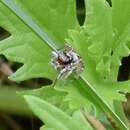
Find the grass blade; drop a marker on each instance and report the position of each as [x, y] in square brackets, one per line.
[100, 102]
[30, 23]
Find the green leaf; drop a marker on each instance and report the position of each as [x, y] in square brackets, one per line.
[91, 41]
[21, 46]
[94, 41]
[52, 13]
[120, 111]
[121, 31]
[77, 96]
[53, 116]
[50, 95]
[30, 49]
[35, 70]
[64, 95]
[120, 15]
[98, 27]
[46, 128]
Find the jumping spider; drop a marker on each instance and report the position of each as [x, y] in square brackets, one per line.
[66, 61]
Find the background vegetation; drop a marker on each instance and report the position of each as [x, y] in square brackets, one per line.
[15, 113]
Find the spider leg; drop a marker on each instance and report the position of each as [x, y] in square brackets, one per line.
[59, 76]
[68, 74]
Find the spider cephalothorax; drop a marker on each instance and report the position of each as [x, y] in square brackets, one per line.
[67, 61]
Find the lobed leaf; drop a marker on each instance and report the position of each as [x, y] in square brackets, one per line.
[53, 116]
[100, 49]
[27, 44]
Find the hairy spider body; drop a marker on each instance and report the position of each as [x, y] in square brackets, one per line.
[66, 61]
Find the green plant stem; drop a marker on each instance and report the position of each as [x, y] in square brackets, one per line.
[99, 102]
[120, 111]
[30, 23]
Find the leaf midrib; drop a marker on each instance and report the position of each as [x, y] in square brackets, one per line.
[104, 106]
[28, 21]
